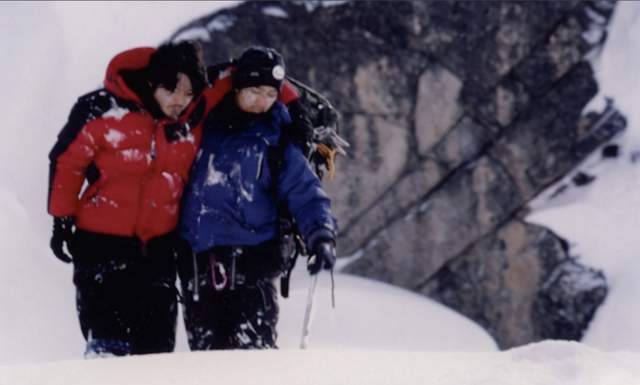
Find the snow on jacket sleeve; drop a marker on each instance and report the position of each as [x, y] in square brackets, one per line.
[309, 204]
[70, 156]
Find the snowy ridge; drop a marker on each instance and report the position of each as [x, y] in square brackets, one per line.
[545, 363]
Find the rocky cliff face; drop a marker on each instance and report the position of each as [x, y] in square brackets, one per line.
[458, 113]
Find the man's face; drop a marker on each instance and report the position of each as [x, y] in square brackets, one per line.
[256, 99]
[172, 103]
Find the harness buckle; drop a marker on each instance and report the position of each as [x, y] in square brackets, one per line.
[218, 273]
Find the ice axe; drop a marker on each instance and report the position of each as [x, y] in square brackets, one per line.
[308, 313]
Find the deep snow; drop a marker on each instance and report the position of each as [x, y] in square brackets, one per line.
[546, 363]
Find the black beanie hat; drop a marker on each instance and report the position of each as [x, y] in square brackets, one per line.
[259, 66]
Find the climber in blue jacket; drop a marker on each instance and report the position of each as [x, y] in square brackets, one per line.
[231, 211]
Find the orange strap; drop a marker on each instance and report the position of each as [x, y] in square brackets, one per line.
[330, 157]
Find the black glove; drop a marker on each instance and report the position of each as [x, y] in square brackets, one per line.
[324, 257]
[62, 232]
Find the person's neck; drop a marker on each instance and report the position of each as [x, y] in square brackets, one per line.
[234, 117]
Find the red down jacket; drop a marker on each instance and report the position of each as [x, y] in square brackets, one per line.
[136, 165]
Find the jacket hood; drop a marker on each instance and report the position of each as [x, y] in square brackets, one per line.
[132, 59]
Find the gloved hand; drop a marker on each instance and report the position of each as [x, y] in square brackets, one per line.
[324, 256]
[62, 232]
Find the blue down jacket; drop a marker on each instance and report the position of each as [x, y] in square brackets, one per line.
[230, 199]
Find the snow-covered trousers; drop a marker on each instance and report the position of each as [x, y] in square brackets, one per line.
[125, 293]
[242, 311]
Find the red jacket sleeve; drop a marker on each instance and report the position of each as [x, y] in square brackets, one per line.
[68, 169]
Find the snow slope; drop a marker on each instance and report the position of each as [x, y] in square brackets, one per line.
[546, 363]
[373, 315]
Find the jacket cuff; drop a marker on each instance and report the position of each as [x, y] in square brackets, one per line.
[63, 209]
[320, 235]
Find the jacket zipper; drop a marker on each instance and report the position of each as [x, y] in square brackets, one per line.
[140, 203]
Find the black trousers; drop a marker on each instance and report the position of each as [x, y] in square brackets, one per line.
[125, 292]
[241, 314]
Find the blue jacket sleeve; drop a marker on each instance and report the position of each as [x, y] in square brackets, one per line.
[307, 202]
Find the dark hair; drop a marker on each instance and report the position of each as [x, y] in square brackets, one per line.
[170, 59]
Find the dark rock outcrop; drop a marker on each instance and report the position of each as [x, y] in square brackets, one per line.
[458, 113]
[521, 285]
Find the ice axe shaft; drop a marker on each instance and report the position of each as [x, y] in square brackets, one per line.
[308, 313]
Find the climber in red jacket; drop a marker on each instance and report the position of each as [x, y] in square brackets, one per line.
[133, 141]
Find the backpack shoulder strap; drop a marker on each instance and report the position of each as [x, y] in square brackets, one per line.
[275, 161]
[291, 245]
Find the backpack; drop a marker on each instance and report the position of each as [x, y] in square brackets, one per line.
[322, 140]
[315, 129]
